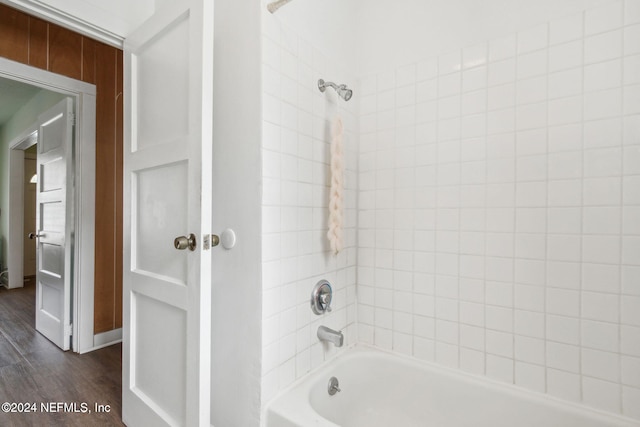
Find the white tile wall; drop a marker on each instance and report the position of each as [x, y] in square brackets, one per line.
[499, 208]
[295, 170]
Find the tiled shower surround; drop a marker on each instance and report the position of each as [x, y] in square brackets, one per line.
[498, 209]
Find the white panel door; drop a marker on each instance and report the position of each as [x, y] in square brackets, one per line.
[54, 215]
[167, 167]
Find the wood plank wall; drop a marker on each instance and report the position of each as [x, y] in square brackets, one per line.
[32, 41]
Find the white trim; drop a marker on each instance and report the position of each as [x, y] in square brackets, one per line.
[84, 95]
[85, 204]
[62, 18]
[105, 339]
[44, 79]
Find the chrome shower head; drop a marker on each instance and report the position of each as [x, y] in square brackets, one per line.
[342, 90]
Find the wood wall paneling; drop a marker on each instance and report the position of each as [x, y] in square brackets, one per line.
[47, 46]
[106, 193]
[14, 28]
[65, 52]
[38, 43]
[88, 60]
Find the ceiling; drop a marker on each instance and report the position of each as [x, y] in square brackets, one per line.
[13, 95]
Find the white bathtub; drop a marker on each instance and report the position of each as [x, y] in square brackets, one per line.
[383, 390]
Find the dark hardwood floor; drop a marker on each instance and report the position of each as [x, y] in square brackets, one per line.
[33, 370]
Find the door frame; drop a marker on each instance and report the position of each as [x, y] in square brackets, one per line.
[84, 97]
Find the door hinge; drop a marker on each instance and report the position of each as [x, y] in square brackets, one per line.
[67, 330]
[72, 119]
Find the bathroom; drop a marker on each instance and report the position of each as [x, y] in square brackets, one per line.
[491, 205]
[491, 192]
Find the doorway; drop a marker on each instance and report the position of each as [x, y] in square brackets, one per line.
[22, 134]
[32, 368]
[54, 231]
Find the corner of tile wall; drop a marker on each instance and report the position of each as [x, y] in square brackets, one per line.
[295, 169]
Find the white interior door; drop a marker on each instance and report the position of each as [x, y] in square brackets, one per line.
[167, 167]
[54, 214]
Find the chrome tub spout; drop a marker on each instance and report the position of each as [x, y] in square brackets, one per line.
[327, 334]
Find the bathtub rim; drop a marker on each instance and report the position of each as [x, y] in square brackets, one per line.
[305, 383]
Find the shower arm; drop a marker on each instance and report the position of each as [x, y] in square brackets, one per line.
[322, 85]
[273, 6]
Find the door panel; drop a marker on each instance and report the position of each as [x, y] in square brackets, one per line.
[161, 216]
[54, 219]
[166, 295]
[52, 260]
[159, 126]
[52, 175]
[166, 392]
[48, 301]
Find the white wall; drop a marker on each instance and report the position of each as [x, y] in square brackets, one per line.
[402, 32]
[499, 221]
[328, 25]
[295, 170]
[22, 119]
[236, 281]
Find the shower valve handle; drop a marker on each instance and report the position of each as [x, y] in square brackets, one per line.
[321, 297]
[326, 300]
